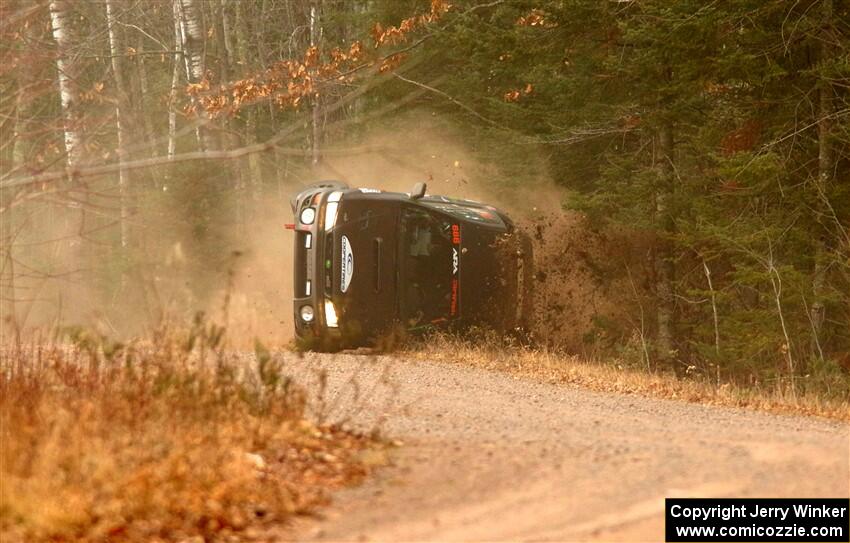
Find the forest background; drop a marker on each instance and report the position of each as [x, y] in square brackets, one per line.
[150, 147]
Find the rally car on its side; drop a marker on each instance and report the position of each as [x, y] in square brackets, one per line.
[369, 261]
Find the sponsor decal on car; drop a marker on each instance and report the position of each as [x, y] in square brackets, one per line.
[346, 265]
[455, 295]
[455, 299]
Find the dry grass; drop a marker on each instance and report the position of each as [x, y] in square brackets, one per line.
[166, 439]
[491, 353]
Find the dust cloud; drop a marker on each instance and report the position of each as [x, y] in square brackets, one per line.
[240, 273]
[237, 275]
[591, 285]
[421, 147]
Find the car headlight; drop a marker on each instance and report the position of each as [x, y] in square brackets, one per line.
[335, 196]
[330, 215]
[308, 215]
[330, 315]
[331, 209]
[307, 313]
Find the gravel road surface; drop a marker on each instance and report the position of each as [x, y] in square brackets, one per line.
[491, 456]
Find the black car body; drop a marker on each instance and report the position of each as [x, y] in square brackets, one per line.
[368, 262]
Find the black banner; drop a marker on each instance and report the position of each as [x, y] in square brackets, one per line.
[729, 519]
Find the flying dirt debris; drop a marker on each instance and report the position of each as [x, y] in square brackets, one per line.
[371, 263]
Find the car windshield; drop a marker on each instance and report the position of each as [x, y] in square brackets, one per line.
[426, 267]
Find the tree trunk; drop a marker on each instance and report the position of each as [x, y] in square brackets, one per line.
[826, 165]
[315, 41]
[24, 114]
[138, 107]
[192, 34]
[221, 43]
[664, 265]
[7, 283]
[227, 28]
[69, 96]
[121, 110]
[359, 8]
[80, 252]
[19, 134]
[67, 80]
[175, 81]
[255, 170]
[8, 311]
[229, 138]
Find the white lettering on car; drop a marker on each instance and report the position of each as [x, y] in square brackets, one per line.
[346, 265]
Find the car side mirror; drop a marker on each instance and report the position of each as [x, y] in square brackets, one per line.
[418, 191]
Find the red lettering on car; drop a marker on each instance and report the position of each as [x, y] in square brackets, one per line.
[455, 289]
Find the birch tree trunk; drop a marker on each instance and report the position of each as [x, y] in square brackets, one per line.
[121, 109]
[66, 78]
[175, 80]
[80, 253]
[69, 97]
[192, 34]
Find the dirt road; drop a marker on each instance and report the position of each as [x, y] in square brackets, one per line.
[488, 456]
